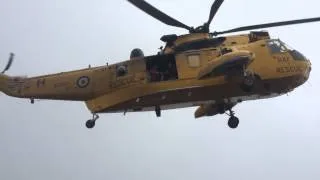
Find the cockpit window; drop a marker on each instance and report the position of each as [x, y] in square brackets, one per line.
[276, 46]
[297, 55]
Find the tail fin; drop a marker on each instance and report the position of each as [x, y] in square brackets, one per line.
[3, 82]
[4, 79]
[12, 86]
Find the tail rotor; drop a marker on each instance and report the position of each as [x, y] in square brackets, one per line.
[11, 57]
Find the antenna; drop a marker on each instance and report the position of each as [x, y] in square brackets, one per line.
[9, 63]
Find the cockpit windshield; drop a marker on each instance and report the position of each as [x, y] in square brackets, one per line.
[277, 46]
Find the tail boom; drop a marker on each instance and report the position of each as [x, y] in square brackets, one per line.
[63, 86]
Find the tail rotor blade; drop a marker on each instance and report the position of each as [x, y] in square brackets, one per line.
[10, 61]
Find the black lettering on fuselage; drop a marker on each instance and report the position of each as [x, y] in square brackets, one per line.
[282, 58]
[289, 69]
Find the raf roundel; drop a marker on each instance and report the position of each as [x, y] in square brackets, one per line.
[83, 81]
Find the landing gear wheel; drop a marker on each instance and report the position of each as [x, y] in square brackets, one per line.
[90, 124]
[233, 122]
[158, 111]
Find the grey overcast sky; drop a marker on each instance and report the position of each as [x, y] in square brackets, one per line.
[276, 139]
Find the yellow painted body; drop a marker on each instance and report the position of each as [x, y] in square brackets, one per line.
[101, 89]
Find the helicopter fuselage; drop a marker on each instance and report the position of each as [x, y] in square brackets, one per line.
[171, 78]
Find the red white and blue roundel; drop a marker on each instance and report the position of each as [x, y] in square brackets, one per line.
[83, 81]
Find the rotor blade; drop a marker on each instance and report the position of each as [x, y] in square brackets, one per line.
[268, 25]
[214, 9]
[154, 12]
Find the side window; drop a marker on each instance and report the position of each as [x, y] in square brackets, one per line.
[121, 70]
[194, 60]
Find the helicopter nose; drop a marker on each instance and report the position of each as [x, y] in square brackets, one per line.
[306, 74]
[303, 75]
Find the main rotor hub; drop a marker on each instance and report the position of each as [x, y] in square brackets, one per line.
[201, 29]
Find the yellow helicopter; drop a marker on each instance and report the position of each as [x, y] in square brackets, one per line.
[200, 69]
